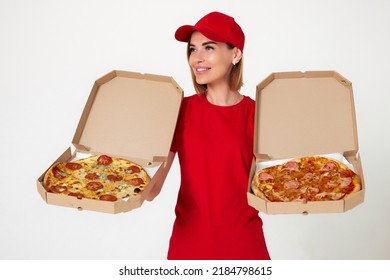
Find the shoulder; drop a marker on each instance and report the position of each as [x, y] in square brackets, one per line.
[249, 102]
[192, 99]
[196, 97]
[190, 103]
[248, 99]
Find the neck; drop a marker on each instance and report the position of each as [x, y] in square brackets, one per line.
[223, 98]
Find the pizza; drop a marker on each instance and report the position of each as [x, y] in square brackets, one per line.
[313, 178]
[98, 177]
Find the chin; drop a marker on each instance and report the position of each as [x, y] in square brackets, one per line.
[201, 81]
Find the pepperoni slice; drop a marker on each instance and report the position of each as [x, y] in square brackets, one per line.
[108, 197]
[136, 181]
[292, 165]
[329, 166]
[134, 169]
[76, 194]
[104, 160]
[73, 165]
[114, 177]
[58, 189]
[264, 176]
[308, 176]
[58, 173]
[94, 186]
[345, 181]
[92, 176]
[291, 184]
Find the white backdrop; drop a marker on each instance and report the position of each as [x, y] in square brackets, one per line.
[51, 52]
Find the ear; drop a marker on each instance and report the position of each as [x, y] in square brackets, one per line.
[237, 55]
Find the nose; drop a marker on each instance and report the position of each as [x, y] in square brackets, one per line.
[198, 57]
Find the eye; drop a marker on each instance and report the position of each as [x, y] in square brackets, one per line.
[191, 49]
[209, 48]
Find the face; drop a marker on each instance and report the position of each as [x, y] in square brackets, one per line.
[210, 61]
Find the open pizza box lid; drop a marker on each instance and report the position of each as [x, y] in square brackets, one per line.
[128, 115]
[305, 114]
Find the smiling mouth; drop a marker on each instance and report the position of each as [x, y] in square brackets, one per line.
[201, 69]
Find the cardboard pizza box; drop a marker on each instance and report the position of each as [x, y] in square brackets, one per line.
[304, 114]
[128, 115]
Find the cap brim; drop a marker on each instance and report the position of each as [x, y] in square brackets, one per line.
[183, 33]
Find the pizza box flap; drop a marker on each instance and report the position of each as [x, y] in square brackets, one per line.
[304, 113]
[131, 115]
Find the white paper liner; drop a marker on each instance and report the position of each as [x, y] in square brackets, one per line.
[336, 156]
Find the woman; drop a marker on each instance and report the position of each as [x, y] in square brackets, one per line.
[214, 143]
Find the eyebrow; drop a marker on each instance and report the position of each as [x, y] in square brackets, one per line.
[207, 43]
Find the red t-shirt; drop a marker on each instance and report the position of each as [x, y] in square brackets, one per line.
[215, 150]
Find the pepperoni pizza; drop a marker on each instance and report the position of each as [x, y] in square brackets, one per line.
[97, 177]
[306, 179]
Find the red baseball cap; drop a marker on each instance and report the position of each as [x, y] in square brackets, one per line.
[215, 26]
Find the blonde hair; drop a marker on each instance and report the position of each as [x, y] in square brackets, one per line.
[235, 76]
